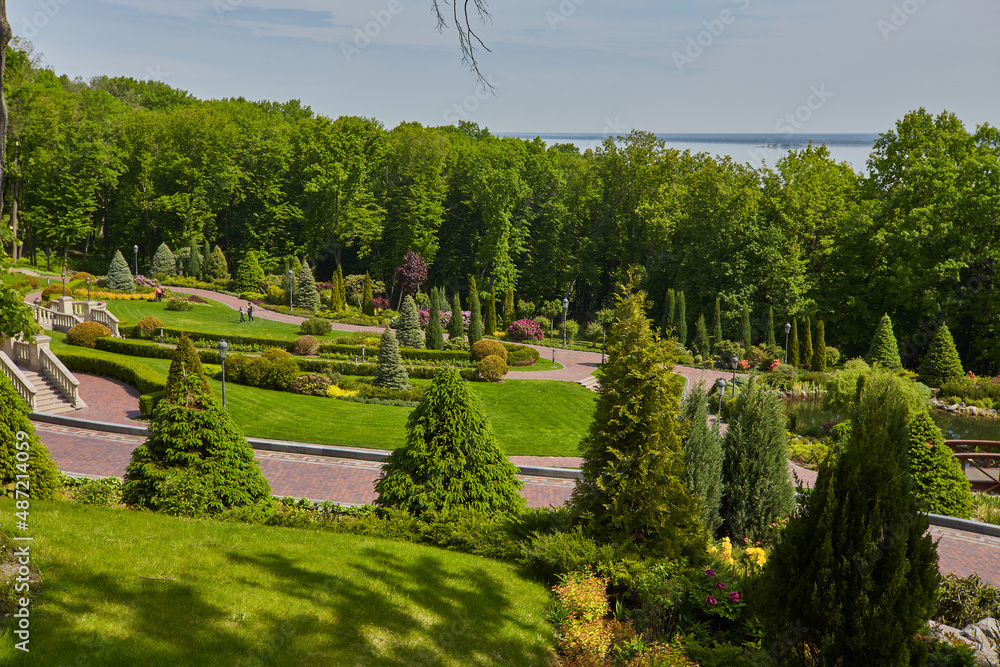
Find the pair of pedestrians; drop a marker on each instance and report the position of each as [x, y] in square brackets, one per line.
[249, 312]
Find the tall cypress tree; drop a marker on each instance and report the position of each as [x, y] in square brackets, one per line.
[435, 334]
[341, 286]
[884, 350]
[669, 311]
[717, 322]
[807, 346]
[819, 351]
[746, 333]
[206, 255]
[702, 457]
[682, 327]
[793, 345]
[367, 308]
[509, 314]
[490, 321]
[701, 338]
[634, 436]
[475, 321]
[456, 325]
[770, 327]
[195, 263]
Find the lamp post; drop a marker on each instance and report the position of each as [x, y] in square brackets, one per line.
[720, 384]
[735, 361]
[291, 288]
[135, 249]
[788, 327]
[565, 308]
[88, 289]
[64, 280]
[223, 349]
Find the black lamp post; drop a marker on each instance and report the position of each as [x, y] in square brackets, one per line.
[88, 289]
[223, 349]
[788, 327]
[735, 361]
[565, 308]
[720, 384]
[291, 288]
[64, 280]
[135, 249]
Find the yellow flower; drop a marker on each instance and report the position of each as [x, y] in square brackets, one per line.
[727, 550]
[334, 391]
[757, 556]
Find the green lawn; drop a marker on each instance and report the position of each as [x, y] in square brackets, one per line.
[128, 588]
[543, 364]
[212, 317]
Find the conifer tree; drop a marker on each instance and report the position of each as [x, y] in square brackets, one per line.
[194, 261]
[341, 287]
[632, 492]
[941, 363]
[757, 489]
[475, 321]
[119, 276]
[206, 256]
[456, 325]
[164, 261]
[853, 579]
[669, 312]
[938, 478]
[490, 321]
[717, 323]
[286, 281]
[701, 338]
[435, 334]
[391, 374]
[702, 457]
[746, 333]
[884, 349]
[218, 268]
[509, 314]
[770, 327]
[451, 459]
[807, 347]
[367, 308]
[681, 326]
[337, 303]
[408, 327]
[819, 351]
[192, 434]
[793, 345]
[306, 295]
[249, 277]
[17, 434]
[184, 361]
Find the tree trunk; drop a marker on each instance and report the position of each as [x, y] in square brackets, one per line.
[5, 36]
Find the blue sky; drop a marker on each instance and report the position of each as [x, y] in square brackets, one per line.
[557, 65]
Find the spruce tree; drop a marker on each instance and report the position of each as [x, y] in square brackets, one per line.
[192, 434]
[819, 351]
[456, 325]
[632, 491]
[391, 374]
[218, 268]
[435, 334]
[490, 321]
[682, 327]
[669, 312]
[717, 322]
[163, 261]
[451, 459]
[194, 261]
[793, 345]
[853, 579]
[746, 333]
[807, 347]
[702, 457]
[367, 308]
[408, 327]
[757, 489]
[475, 321]
[17, 434]
[941, 363]
[884, 350]
[306, 295]
[938, 478]
[250, 277]
[183, 362]
[701, 338]
[119, 276]
[770, 327]
[509, 314]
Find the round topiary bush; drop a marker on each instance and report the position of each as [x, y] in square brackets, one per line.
[306, 345]
[83, 275]
[486, 347]
[314, 326]
[86, 333]
[492, 368]
[147, 327]
[52, 291]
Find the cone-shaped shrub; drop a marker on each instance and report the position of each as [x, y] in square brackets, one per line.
[206, 254]
[681, 323]
[367, 308]
[475, 318]
[341, 287]
[942, 363]
[701, 338]
[702, 457]
[669, 313]
[194, 261]
[390, 374]
[793, 345]
[632, 492]
[119, 276]
[757, 489]
[716, 322]
[456, 325]
[218, 268]
[770, 327]
[451, 459]
[819, 349]
[164, 261]
[490, 321]
[884, 350]
[435, 333]
[938, 479]
[336, 303]
[21, 452]
[250, 277]
[408, 331]
[746, 333]
[853, 580]
[306, 295]
[195, 460]
[807, 346]
[185, 361]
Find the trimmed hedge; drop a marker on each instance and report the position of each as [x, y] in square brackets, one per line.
[135, 348]
[145, 379]
[148, 402]
[521, 355]
[350, 368]
[213, 338]
[412, 354]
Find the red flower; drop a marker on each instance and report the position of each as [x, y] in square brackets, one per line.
[721, 585]
[734, 597]
[711, 600]
[709, 572]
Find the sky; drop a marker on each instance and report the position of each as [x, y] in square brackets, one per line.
[584, 66]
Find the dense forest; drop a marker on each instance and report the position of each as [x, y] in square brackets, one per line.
[96, 166]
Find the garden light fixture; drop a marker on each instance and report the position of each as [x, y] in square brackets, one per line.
[735, 361]
[788, 327]
[565, 308]
[720, 384]
[223, 349]
[290, 288]
[135, 249]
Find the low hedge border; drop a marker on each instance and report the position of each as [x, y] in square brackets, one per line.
[405, 352]
[350, 368]
[137, 348]
[214, 338]
[148, 402]
[379, 401]
[521, 355]
[132, 373]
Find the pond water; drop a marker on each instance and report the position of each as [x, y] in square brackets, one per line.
[811, 414]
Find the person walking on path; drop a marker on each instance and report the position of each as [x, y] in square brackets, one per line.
[250, 311]
[241, 315]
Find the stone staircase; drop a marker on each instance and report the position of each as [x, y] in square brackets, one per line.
[591, 383]
[48, 399]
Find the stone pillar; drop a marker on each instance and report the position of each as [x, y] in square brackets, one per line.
[8, 346]
[63, 304]
[34, 352]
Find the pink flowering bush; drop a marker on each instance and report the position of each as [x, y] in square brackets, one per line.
[743, 365]
[774, 364]
[525, 330]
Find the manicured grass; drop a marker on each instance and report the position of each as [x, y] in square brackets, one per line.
[212, 317]
[542, 364]
[135, 588]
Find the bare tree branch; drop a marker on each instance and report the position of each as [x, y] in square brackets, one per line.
[468, 40]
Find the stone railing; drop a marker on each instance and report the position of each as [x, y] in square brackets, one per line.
[21, 352]
[24, 388]
[43, 316]
[102, 316]
[63, 322]
[60, 375]
[64, 314]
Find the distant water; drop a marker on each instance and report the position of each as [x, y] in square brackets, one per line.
[755, 149]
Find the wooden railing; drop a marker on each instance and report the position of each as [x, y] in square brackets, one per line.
[980, 461]
[60, 375]
[24, 388]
